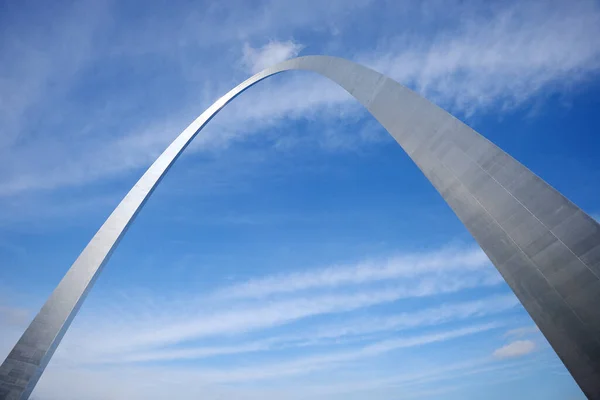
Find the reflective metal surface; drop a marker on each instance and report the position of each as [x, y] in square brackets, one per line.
[545, 247]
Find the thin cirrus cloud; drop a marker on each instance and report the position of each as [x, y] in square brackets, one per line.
[517, 348]
[185, 327]
[270, 54]
[302, 365]
[522, 331]
[349, 331]
[216, 340]
[159, 382]
[305, 365]
[500, 60]
[399, 267]
[185, 320]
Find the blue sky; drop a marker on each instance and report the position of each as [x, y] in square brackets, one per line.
[294, 251]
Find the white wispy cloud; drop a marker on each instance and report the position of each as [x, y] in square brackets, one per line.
[522, 331]
[308, 364]
[434, 316]
[151, 382]
[495, 59]
[305, 365]
[270, 54]
[370, 271]
[172, 326]
[524, 49]
[43, 65]
[158, 382]
[517, 348]
[151, 337]
[324, 335]
[150, 329]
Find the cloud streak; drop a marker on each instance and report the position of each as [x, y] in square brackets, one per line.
[349, 331]
[399, 267]
[280, 336]
[503, 57]
[185, 327]
[147, 330]
[270, 54]
[517, 348]
[523, 50]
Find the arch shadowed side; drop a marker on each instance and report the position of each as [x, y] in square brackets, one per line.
[545, 247]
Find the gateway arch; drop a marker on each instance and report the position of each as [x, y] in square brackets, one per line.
[545, 247]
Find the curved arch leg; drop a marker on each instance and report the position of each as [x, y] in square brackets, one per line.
[545, 247]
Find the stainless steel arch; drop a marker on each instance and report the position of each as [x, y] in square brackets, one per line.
[545, 247]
